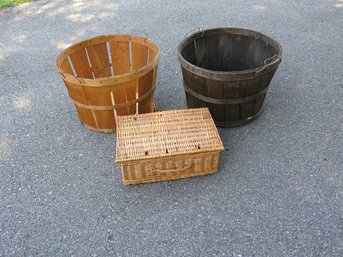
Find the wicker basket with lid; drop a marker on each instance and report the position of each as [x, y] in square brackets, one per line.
[167, 145]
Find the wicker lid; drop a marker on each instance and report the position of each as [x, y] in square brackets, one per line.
[165, 134]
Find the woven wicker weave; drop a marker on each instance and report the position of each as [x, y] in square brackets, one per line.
[167, 145]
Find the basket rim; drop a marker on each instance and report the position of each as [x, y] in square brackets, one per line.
[124, 37]
[142, 159]
[251, 73]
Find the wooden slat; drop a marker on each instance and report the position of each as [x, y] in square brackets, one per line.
[252, 88]
[152, 54]
[120, 54]
[86, 116]
[99, 59]
[219, 53]
[131, 95]
[255, 52]
[213, 62]
[191, 101]
[199, 85]
[189, 53]
[120, 96]
[145, 84]
[139, 56]
[226, 53]
[265, 80]
[65, 67]
[231, 91]
[245, 108]
[77, 93]
[200, 53]
[215, 90]
[240, 50]
[99, 95]
[105, 119]
[190, 81]
[81, 65]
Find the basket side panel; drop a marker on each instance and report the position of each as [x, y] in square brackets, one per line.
[196, 83]
[86, 116]
[189, 52]
[215, 90]
[220, 48]
[170, 168]
[231, 91]
[145, 84]
[76, 92]
[65, 67]
[120, 55]
[79, 60]
[93, 96]
[251, 87]
[240, 45]
[125, 171]
[191, 100]
[121, 94]
[139, 55]
[130, 95]
[105, 119]
[98, 96]
[264, 83]
[152, 53]
[255, 51]
[99, 60]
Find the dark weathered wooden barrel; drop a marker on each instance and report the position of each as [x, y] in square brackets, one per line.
[228, 70]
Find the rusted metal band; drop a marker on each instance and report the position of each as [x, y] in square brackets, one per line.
[267, 65]
[224, 101]
[114, 107]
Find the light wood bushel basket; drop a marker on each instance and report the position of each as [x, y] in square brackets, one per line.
[167, 145]
[109, 76]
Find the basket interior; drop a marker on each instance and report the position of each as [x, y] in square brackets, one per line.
[107, 56]
[228, 51]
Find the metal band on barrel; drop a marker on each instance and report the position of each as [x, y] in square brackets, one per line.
[223, 101]
[117, 106]
[229, 124]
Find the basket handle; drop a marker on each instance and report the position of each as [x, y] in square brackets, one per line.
[186, 167]
[144, 33]
[266, 63]
[193, 31]
[67, 75]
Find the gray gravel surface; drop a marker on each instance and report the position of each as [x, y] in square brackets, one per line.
[279, 188]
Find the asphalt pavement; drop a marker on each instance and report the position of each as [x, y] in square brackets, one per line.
[279, 188]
